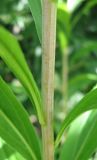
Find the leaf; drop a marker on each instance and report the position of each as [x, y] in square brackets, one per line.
[73, 137]
[15, 126]
[7, 153]
[89, 102]
[36, 10]
[87, 142]
[12, 55]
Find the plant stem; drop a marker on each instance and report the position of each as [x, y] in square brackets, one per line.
[48, 63]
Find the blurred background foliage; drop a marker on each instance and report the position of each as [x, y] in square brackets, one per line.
[76, 51]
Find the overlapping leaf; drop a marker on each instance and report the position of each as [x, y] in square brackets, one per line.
[7, 153]
[13, 57]
[69, 147]
[81, 140]
[36, 10]
[87, 142]
[15, 126]
[87, 103]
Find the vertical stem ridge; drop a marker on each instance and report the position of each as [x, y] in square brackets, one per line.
[48, 64]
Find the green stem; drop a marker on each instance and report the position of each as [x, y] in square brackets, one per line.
[48, 64]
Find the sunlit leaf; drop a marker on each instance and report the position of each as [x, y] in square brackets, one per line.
[73, 137]
[87, 142]
[7, 153]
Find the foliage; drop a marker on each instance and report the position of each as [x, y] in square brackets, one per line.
[76, 33]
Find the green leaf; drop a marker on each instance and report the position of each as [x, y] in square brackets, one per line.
[87, 103]
[73, 137]
[7, 153]
[87, 143]
[12, 55]
[36, 10]
[15, 126]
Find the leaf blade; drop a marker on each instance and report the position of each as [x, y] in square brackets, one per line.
[14, 119]
[14, 58]
[86, 139]
[73, 137]
[87, 103]
[8, 153]
[36, 10]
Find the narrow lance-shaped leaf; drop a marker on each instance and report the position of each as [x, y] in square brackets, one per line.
[12, 55]
[36, 10]
[69, 147]
[15, 126]
[87, 143]
[87, 103]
